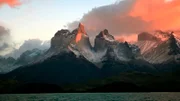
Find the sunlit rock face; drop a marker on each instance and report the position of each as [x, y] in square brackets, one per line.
[105, 46]
[82, 39]
[63, 38]
[81, 33]
[78, 42]
[82, 46]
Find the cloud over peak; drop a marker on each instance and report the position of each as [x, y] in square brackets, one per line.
[128, 17]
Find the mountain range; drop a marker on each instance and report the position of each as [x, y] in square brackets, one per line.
[27, 57]
[72, 59]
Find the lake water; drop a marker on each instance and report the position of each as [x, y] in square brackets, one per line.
[93, 97]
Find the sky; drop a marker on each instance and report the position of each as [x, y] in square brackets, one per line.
[42, 18]
[31, 19]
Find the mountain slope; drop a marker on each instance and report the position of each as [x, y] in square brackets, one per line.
[60, 69]
[7, 64]
[28, 57]
[82, 46]
[67, 68]
[71, 58]
[167, 51]
[146, 42]
[106, 43]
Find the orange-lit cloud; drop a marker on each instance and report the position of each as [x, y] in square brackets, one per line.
[162, 14]
[11, 3]
[128, 17]
[114, 17]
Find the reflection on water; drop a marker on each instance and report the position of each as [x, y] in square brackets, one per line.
[93, 97]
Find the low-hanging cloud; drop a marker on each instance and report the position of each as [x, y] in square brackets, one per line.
[6, 43]
[10, 49]
[128, 17]
[29, 45]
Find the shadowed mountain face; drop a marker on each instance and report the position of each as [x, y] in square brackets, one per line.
[66, 68]
[61, 40]
[28, 57]
[71, 61]
[102, 40]
[174, 49]
[60, 69]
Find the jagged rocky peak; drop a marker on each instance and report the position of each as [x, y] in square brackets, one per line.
[145, 36]
[62, 32]
[81, 29]
[162, 34]
[102, 40]
[105, 35]
[173, 45]
[81, 33]
[60, 43]
[62, 39]
[82, 39]
[83, 47]
[126, 52]
[114, 50]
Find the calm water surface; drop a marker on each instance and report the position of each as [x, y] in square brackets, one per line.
[93, 97]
